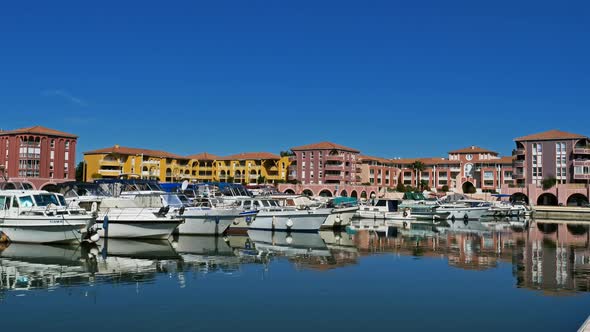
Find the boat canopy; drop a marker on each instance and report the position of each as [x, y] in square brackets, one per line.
[415, 196]
[338, 201]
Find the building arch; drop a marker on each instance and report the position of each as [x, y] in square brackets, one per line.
[468, 187]
[519, 197]
[325, 193]
[577, 200]
[289, 192]
[353, 194]
[373, 194]
[577, 229]
[52, 187]
[364, 194]
[546, 228]
[547, 199]
[307, 192]
[343, 193]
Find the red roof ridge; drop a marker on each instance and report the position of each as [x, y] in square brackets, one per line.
[38, 130]
[136, 151]
[549, 135]
[324, 146]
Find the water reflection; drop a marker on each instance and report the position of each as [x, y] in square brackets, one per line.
[552, 257]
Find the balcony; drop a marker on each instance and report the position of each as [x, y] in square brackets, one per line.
[519, 152]
[518, 176]
[455, 169]
[330, 177]
[151, 162]
[518, 163]
[335, 158]
[329, 167]
[585, 150]
[110, 163]
[579, 163]
[109, 172]
[581, 176]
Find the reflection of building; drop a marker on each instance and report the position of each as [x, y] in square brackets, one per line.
[38, 155]
[556, 257]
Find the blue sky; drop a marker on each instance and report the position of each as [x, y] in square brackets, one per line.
[391, 78]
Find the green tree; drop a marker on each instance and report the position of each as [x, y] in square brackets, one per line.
[549, 182]
[424, 185]
[400, 187]
[261, 179]
[80, 171]
[418, 167]
[445, 188]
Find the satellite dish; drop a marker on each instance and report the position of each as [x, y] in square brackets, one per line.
[184, 185]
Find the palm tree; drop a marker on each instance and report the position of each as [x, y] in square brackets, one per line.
[418, 167]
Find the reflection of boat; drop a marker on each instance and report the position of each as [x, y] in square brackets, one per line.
[26, 266]
[209, 252]
[465, 225]
[151, 249]
[338, 240]
[289, 244]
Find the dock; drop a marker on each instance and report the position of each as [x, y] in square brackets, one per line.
[569, 213]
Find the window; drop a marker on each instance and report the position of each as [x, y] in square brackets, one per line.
[52, 144]
[67, 145]
[25, 201]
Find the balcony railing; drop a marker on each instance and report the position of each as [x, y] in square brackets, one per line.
[519, 152]
[109, 172]
[518, 176]
[581, 176]
[110, 163]
[581, 163]
[335, 158]
[518, 163]
[581, 150]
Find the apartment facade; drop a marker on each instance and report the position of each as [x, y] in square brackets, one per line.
[468, 170]
[118, 161]
[38, 155]
[324, 163]
[562, 155]
[377, 171]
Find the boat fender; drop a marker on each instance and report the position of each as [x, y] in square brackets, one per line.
[289, 239]
[94, 238]
[94, 207]
[405, 224]
[181, 211]
[453, 219]
[289, 223]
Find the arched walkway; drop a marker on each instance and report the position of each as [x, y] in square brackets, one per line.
[468, 187]
[325, 193]
[547, 228]
[343, 193]
[577, 229]
[353, 194]
[547, 199]
[373, 195]
[363, 194]
[50, 187]
[519, 198]
[577, 200]
[307, 192]
[289, 192]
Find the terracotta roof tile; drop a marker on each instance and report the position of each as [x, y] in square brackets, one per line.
[378, 159]
[324, 146]
[474, 149]
[251, 156]
[204, 156]
[40, 130]
[426, 161]
[549, 135]
[136, 151]
[505, 160]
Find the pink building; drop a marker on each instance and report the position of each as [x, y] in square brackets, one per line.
[466, 170]
[38, 155]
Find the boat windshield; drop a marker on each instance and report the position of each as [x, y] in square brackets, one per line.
[172, 200]
[25, 201]
[183, 199]
[87, 190]
[4, 203]
[46, 199]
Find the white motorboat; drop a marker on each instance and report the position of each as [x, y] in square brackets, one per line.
[467, 209]
[37, 216]
[385, 209]
[272, 216]
[126, 218]
[343, 208]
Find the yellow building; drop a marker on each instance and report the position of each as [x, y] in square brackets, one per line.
[117, 161]
[252, 167]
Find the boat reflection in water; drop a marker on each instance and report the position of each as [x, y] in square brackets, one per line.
[551, 257]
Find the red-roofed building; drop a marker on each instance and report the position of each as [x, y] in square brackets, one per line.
[38, 155]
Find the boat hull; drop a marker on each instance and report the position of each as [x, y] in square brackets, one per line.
[52, 231]
[140, 229]
[465, 213]
[300, 220]
[340, 217]
[207, 222]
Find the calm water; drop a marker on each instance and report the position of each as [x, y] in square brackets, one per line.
[475, 278]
